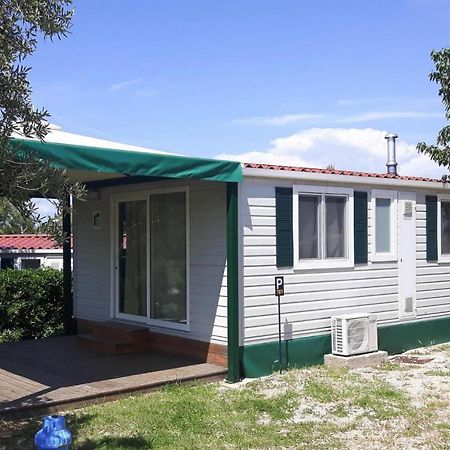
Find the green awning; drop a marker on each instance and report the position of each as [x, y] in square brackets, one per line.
[131, 163]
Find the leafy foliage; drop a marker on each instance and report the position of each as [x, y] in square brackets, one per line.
[12, 221]
[31, 304]
[440, 152]
[28, 221]
[22, 174]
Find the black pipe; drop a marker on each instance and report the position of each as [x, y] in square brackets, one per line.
[67, 267]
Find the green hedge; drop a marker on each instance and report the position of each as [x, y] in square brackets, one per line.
[31, 304]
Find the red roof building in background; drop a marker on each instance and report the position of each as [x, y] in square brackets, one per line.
[27, 242]
[29, 251]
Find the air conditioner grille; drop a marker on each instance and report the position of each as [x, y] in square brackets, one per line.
[337, 335]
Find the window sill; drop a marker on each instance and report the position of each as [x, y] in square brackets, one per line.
[443, 259]
[323, 264]
[384, 258]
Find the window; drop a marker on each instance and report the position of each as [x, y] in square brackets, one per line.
[444, 229]
[384, 219]
[6, 263]
[323, 227]
[335, 227]
[30, 263]
[308, 226]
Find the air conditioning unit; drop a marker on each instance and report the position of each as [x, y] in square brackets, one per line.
[354, 334]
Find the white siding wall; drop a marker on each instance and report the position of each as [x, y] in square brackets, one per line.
[208, 301]
[313, 296]
[92, 260]
[433, 279]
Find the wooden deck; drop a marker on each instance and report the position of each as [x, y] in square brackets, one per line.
[54, 373]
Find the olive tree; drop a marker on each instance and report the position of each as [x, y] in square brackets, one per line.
[23, 175]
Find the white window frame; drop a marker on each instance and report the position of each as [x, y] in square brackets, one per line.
[145, 195]
[393, 254]
[443, 258]
[325, 263]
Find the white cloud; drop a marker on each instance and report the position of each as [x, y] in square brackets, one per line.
[357, 118]
[380, 115]
[124, 84]
[361, 149]
[276, 120]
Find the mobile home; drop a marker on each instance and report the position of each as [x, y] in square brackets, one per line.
[188, 248]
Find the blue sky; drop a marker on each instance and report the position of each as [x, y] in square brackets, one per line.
[300, 82]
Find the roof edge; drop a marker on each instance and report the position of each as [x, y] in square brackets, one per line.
[358, 178]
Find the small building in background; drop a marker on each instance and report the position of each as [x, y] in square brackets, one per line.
[30, 251]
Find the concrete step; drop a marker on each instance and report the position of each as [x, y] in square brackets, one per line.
[111, 346]
[120, 332]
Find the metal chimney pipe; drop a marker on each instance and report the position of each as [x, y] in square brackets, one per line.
[391, 160]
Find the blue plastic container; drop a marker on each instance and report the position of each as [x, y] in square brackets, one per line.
[53, 434]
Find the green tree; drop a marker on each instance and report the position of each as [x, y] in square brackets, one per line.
[12, 221]
[440, 151]
[22, 24]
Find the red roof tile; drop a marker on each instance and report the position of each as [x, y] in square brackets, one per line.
[335, 172]
[27, 242]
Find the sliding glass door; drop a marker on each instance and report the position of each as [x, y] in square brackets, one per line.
[152, 269]
[132, 258]
[168, 257]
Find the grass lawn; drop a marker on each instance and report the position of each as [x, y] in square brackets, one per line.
[395, 406]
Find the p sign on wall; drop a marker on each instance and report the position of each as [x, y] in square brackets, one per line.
[279, 286]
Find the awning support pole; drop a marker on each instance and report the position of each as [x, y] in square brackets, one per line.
[233, 283]
[67, 267]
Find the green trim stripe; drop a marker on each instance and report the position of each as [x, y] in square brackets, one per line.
[131, 163]
[401, 337]
[260, 359]
[431, 224]
[233, 283]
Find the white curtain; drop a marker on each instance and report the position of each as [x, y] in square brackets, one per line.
[383, 225]
[308, 207]
[335, 226]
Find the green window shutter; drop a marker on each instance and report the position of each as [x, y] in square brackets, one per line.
[360, 227]
[284, 238]
[431, 216]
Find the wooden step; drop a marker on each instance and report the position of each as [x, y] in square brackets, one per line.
[120, 332]
[111, 346]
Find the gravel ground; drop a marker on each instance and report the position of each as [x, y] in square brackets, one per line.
[403, 404]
